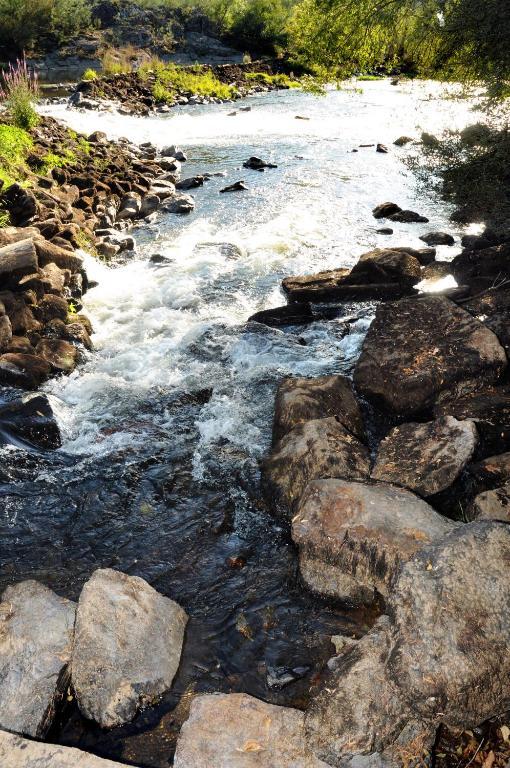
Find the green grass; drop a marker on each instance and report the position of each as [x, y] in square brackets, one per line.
[15, 145]
[282, 81]
[369, 78]
[4, 219]
[52, 160]
[198, 81]
[89, 74]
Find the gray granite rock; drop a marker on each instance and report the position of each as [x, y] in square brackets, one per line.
[16, 752]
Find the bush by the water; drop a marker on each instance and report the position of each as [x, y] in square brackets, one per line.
[171, 79]
[15, 144]
[23, 23]
[19, 93]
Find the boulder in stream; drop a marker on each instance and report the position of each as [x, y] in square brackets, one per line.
[289, 314]
[408, 217]
[237, 186]
[418, 351]
[438, 238]
[484, 268]
[441, 655]
[353, 537]
[61, 355]
[299, 400]
[36, 634]
[426, 458]
[383, 265]
[128, 642]
[30, 419]
[385, 210]
[23, 370]
[321, 448]
[235, 730]
[16, 752]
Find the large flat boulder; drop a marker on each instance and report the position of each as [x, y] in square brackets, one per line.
[420, 350]
[127, 647]
[441, 655]
[16, 752]
[384, 265]
[322, 448]
[36, 633]
[299, 400]
[489, 409]
[353, 537]
[238, 731]
[333, 285]
[426, 458]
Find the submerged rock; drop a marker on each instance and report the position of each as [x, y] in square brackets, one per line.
[299, 400]
[36, 633]
[127, 648]
[321, 448]
[417, 351]
[238, 186]
[256, 163]
[31, 419]
[408, 217]
[290, 314]
[385, 210]
[235, 730]
[426, 458]
[16, 752]
[354, 537]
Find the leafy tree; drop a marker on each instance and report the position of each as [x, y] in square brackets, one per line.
[69, 17]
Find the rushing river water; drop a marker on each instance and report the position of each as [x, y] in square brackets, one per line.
[164, 424]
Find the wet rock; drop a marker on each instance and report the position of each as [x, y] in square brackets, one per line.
[21, 370]
[77, 333]
[483, 268]
[490, 411]
[299, 400]
[438, 238]
[16, 752]
[290, 314]
[150, 204]
[408, 217]
[32, 420]
[426, 458]
[179, 204]
[385, 266]
[52, 307]
[317, 449]
[402, 141]
[382, 149]
[353, 537]
[238, 730]
[441, 655]
[256, 163]
[36, 632]
[191, 183]
[331, 285]
[238, 186]
[492, 505]
[437, 270]
[385, 210]
[385, 231]
[173, 151]
[5, 333]
[419, 351]
[130, 206]
[61, 355]
[127, 647]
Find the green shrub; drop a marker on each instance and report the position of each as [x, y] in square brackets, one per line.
[171, 79]
[89, 74]
[15, 144]
[69, 18]
[19, 93]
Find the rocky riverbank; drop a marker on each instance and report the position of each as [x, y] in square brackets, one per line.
[158, 89]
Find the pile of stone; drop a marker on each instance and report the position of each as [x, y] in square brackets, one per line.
[118, 650]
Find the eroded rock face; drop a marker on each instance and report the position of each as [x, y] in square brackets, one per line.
[127, 648]
[36, 632]
[440, 656]
[353, 537]
[419, 350]
[16, 752]
[322, 448]
[299, 400]
[426, 458]
[451, 615]
[236, 730]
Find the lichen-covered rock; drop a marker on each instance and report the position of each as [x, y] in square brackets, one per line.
[321, 448]
[299, 400]
[36, 633]
[426, 458]
[353, 537]
[238, 731]
[127, 648]
[492, 505]
[420, 350]
[16, 752]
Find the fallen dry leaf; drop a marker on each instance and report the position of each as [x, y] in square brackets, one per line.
[489, 760]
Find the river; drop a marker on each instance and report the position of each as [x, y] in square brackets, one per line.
[165, 423]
